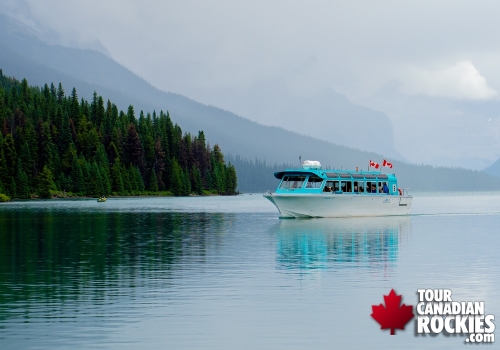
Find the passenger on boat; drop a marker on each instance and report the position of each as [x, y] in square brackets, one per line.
[385, 189]
[355, 189]
[374, 188]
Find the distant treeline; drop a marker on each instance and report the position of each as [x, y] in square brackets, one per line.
[258, 176]
[52, 142]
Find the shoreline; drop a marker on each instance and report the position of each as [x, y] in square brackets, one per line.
[56, 198]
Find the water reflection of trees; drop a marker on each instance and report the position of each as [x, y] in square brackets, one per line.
[60, 255]
[339, 243]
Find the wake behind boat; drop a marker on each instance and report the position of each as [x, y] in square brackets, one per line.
[313, 192]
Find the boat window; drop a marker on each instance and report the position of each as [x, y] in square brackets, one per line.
[381, 187]
[370, 176]
[371, 187]
[346, 186]
[314, 182]
[292, 181]
[329, 186]
[356, 187]
[382, 176]
[345, 176]
[358, 176]
[332, 175]
[336, 186]
[361, 186]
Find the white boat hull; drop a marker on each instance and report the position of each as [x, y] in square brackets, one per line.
[339, 205]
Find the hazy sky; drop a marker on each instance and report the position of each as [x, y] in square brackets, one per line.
[432, 47]
[223, 52]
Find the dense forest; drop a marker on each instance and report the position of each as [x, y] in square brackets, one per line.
[54, 144]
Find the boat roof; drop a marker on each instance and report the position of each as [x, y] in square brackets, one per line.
[335, 174]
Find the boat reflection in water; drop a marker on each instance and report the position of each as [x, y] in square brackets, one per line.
[340, 243]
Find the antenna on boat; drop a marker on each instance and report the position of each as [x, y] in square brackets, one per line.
[300, 161]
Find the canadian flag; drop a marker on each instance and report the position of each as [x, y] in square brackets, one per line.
[374, 165]
[387, 164]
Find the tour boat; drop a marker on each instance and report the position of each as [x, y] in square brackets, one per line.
[313, 192]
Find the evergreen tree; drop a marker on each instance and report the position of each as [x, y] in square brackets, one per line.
[78, 181]
[23, 190]
[10, 155]
[231, 179]
[12, 187]
[197, 183]
[116, 178]
[25, 160]
[139, 181]
[128, 181]
[186, 183]
[94, 184]
[93, 149]
[176, 183]
[153, 182]
[46, 183]
[133, 148]
[106, 181]
[4, 172]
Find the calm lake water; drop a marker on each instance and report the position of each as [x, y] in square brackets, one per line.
[227, 273]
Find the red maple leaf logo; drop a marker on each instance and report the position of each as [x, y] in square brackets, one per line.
[392, 316]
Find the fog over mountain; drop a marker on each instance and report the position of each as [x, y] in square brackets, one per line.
[347, 124]
[437, 107]
[430, 68]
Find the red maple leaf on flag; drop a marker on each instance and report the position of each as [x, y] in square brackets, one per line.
[392, 315]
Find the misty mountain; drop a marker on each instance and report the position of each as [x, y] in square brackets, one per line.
[493, 169]
[23, 55]
[348, 124]
[322, 113]
[441, 131]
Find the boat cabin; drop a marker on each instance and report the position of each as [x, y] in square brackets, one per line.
[313, 180]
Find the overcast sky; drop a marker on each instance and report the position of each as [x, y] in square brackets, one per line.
[221, 52]
[355, 47]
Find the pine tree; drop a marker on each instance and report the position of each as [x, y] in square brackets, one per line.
[197, 183]
[90, 148]
[153, 182]
[23, 190]
[10, 155]
[94, 184]
[176, 183]
[78, 181]
[134, 148]
[140, 181]
[231, 179]
[186, 183]
[116, 177]
[46, 183]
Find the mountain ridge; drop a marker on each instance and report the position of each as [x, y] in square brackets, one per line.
[235, 134]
